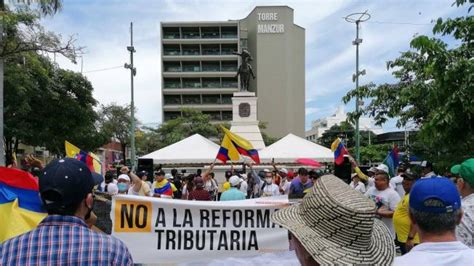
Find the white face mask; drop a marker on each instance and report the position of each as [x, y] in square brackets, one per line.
[268, 180]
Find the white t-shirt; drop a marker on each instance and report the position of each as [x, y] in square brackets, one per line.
[387, 198]
[286, 187]
[360, 186]
[243, 187]
[112, 188]
[396, 183]
[370, 182]
[438, 253]
[270, 190]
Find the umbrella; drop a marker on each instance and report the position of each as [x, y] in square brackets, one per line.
[307, 161]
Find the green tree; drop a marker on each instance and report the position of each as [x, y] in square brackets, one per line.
[434, 90]
[346, 131]
[45, 105]
[115, 122]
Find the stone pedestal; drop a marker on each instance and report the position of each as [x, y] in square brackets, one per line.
[244, 118]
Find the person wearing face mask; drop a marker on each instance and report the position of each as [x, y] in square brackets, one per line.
[130, 183]
[66, 189]
[269, 188]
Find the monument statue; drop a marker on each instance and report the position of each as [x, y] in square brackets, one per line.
[245, 70]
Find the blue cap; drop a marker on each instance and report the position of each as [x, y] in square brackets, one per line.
[435, 188]
[64, 182]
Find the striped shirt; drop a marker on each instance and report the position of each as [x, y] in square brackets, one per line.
[64, 240]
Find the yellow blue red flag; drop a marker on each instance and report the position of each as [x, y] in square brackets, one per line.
[233, 144]
[21, 209]
[91, 160]
[339, 150]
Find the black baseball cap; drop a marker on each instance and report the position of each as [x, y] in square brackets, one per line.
[65, 182]
[142, 173]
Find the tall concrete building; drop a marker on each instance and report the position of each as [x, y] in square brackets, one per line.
[199, 69]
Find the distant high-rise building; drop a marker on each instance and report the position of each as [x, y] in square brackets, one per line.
[199, 68]
[319, 126]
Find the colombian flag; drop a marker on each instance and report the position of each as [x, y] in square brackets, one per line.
[21, 208]
[91, 160]
[339, 150]
[232, 143]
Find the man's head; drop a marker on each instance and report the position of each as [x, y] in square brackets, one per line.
[426, 167]
[228, 174]
[355, 178]
[159, 175]
[371, 172]
[407, 183]
[143, 175]
[315, 174]
[303, 174]
[290, 175]
[382, 168]
[65, 187]
[435, 206]
[401, 169]
[465, 180]
[123, 183]
[283, 172]
[381, 181]
[198, 182]
[234, 181]
[174, 172]
[109, 177]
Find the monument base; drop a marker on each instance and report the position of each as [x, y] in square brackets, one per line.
[244, 118]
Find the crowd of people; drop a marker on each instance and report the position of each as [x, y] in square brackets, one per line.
[238, 185]
[429, 217]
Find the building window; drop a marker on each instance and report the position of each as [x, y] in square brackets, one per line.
[190, 49]
[211, 83]
[171, 49]
[227, 115]
[191, 99]
[190, 32]
[229, 32]
[229, 83]
[229, 66]
[172, 66]
[210, 32]
[171, 33]
[191, 66]
[226, 99]
[171, 115]
[210, 49]
[228, 48]
[191, 83]
[244, 43]
[172, 83]
[172, 100]
[211, 99]
[214, 115]
[211, 66]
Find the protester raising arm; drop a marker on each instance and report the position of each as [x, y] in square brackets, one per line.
[136, 182]
[205, 175]
[359, 172]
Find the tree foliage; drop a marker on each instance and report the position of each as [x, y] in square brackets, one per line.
[45, 105]
[115, 121]
[434, 90]
[346, 131]
[23, 32]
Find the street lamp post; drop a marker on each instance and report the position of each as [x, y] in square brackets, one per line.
[133, 72]
[351, 18]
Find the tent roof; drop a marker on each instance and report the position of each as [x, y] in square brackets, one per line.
[292, 147]
[192, 150]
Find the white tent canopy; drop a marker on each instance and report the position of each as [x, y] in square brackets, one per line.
[291, 147]
[195, 149]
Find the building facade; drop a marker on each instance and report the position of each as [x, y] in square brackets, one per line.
[319, 126]
[199, 68]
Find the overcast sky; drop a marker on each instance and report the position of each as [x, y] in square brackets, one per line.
[103, 28]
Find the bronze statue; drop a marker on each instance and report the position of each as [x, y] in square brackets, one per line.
[245, 70]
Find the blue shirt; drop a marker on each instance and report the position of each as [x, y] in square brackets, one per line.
[64, 240]
[232, 194]
[298, 188]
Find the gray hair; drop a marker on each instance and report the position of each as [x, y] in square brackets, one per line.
[436, 222]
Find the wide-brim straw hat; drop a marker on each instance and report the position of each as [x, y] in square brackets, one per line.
[337, 225]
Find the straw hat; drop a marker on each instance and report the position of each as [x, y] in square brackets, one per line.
[337, 225]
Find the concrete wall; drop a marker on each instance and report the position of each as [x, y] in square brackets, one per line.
[279, 64]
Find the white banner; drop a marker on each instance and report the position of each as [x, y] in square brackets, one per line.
[168, 231]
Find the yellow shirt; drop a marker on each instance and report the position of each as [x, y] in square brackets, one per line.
[401, 221]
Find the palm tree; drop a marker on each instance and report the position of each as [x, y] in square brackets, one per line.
[46, 7]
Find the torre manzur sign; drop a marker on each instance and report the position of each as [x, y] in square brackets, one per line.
[269, 28]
